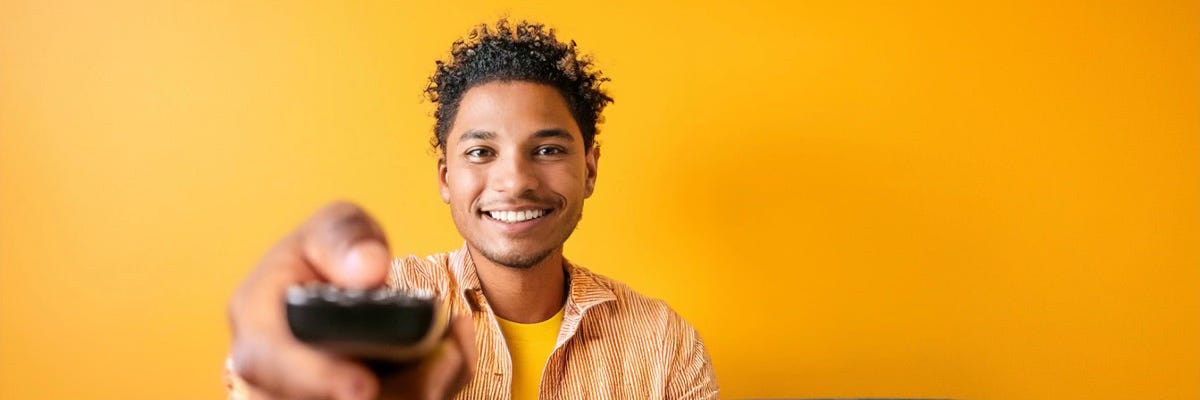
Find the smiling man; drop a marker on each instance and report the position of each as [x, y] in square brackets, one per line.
[516, 115]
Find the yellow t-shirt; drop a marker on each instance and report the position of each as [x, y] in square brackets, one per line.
[530, 345]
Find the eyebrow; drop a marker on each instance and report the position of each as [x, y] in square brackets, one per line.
[476, 134]
[554, 133]
[541, 134]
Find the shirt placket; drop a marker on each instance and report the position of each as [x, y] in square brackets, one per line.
[553, 369]
[581, 295]
[495, 359]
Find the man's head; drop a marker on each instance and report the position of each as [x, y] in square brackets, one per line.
[516, 119]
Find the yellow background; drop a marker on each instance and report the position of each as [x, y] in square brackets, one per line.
[939, 199]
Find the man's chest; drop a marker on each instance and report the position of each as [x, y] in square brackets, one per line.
[598, 361]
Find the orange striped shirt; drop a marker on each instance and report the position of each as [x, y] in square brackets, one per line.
[613, 344]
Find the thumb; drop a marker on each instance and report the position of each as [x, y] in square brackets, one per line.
[346, 246]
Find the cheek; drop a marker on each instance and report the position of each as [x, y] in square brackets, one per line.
[464, 186]
[567, 180]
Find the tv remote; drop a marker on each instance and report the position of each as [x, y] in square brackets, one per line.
[375, 325]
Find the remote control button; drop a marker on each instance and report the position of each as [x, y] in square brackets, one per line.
[354, 294]
[381, 295]
[297, 295]
[330, 293]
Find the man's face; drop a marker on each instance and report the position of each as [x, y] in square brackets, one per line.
[515, 171]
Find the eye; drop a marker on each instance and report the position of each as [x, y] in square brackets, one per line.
[478, 153]
[550, 151]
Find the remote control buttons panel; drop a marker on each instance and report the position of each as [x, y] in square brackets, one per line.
[313, 293]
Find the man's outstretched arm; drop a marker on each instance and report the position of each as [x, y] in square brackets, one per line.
[342, 245]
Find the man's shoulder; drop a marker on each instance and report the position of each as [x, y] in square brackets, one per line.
[626, 303]
[619, 290]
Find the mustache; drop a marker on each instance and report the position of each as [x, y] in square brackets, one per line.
[523, 198]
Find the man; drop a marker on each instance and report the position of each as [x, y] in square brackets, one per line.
[516, 120]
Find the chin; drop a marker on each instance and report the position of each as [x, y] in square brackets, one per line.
[515, 258]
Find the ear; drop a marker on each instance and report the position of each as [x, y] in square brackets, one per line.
[443, 187]
[593, 161]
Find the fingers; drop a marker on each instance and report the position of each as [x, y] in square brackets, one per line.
[340, 244]
[458, 366]
[287, 369]
[441, 374]
[462, 332]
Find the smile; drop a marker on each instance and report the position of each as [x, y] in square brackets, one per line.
[513, 217]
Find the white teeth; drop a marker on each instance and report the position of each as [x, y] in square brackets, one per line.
[516, 216]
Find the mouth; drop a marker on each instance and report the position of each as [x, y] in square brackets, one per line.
[516, 216]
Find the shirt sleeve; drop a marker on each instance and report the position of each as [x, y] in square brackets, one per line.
[691, 373]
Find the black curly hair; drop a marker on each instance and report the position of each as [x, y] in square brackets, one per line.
[524, 52]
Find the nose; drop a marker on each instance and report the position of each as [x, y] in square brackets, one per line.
[514, 175]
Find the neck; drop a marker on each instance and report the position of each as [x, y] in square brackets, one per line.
[523, 295]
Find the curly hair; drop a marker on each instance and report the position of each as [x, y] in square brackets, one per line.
[524, 52]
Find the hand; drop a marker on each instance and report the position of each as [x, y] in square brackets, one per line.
[342, 245]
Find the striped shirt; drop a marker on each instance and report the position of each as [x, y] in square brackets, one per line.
[613, 344]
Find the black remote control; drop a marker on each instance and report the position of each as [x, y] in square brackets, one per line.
[375, 325]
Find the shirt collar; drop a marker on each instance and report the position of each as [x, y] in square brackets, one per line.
[585, 291]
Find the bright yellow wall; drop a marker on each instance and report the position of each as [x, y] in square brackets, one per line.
[942, 199]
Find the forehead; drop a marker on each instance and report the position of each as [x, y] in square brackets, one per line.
[512, 108]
